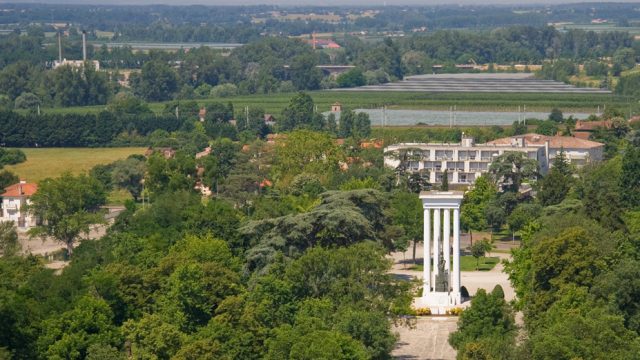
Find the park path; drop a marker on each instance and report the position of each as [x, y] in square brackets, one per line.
[429, 338]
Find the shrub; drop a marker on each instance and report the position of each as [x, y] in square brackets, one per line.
[456, 311]
[224, 90]
[27, 100]
[423, 311]
[498, 291]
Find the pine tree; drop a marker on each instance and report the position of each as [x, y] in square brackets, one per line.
[445, 180]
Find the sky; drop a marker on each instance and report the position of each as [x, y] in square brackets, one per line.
[308, 2]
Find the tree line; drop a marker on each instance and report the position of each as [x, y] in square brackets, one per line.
[77, 130]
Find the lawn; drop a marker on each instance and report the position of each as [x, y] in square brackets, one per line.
[51, 162]
[467, 263]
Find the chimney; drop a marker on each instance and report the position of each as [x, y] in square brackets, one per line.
[84, 45]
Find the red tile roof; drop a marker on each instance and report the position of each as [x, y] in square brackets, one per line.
[592, 125]
[555, 142]
[20, 189]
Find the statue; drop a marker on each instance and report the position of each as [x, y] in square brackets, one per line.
[442, 279]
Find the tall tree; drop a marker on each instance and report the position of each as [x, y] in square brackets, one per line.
[9, 244]
[67, 206]
[156, 82]
[128, 174]
[407, 213]
[630, 177]
[299, 112]
[474, 204]
[306, 151]
[487, 327]
[512, 167]
[555, 186]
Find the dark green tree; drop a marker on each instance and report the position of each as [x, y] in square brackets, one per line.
[512, 167]
[67, 206]
[487, 326]
[156, 82]
[298, 113]
[630, 177]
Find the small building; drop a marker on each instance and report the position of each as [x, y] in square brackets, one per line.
[584, 129]
[269, 119]
[204, 152]
[76, 64]
[15, 200]
[336, 107]
[167, 152]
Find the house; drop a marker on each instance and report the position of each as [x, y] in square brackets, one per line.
[584, 129]
[269, 119]
[76, 64]
[167, 152]
[578, 152]
[373, 144]
[14, 202]
[336, 107]
[466, 161]
[204, 152]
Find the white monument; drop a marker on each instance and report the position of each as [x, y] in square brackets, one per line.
[442, 285]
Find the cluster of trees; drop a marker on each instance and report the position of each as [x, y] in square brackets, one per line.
[74, 130]
[279, 64]
[26, 86]
[226, 278]
[574, 272]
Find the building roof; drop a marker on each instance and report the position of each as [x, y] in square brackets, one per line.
[592, 125]
[532, 139]
[20, 189]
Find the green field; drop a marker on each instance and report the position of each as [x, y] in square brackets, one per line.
[51, 162]
[274, 103]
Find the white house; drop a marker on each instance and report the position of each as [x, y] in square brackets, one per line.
[14, 201]
[466, 161]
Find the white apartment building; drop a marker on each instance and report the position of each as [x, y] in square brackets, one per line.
[466, 161]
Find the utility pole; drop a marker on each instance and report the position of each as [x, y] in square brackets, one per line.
[455, 114]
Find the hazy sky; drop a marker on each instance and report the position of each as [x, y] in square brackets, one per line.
[307, 2]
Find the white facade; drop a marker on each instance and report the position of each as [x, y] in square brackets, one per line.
[465, 161]
[14, 209]
[15, 201]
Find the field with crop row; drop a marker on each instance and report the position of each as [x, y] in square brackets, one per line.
[274, 103]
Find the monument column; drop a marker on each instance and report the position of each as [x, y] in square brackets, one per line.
[445, 243]
[456, 253]
[427, 252]
[440, 291]
[436, 241]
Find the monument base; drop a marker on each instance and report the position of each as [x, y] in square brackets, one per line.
[438, 302]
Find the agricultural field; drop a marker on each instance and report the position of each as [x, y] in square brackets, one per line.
[51, 162]
[633, 30]
[542, 102]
